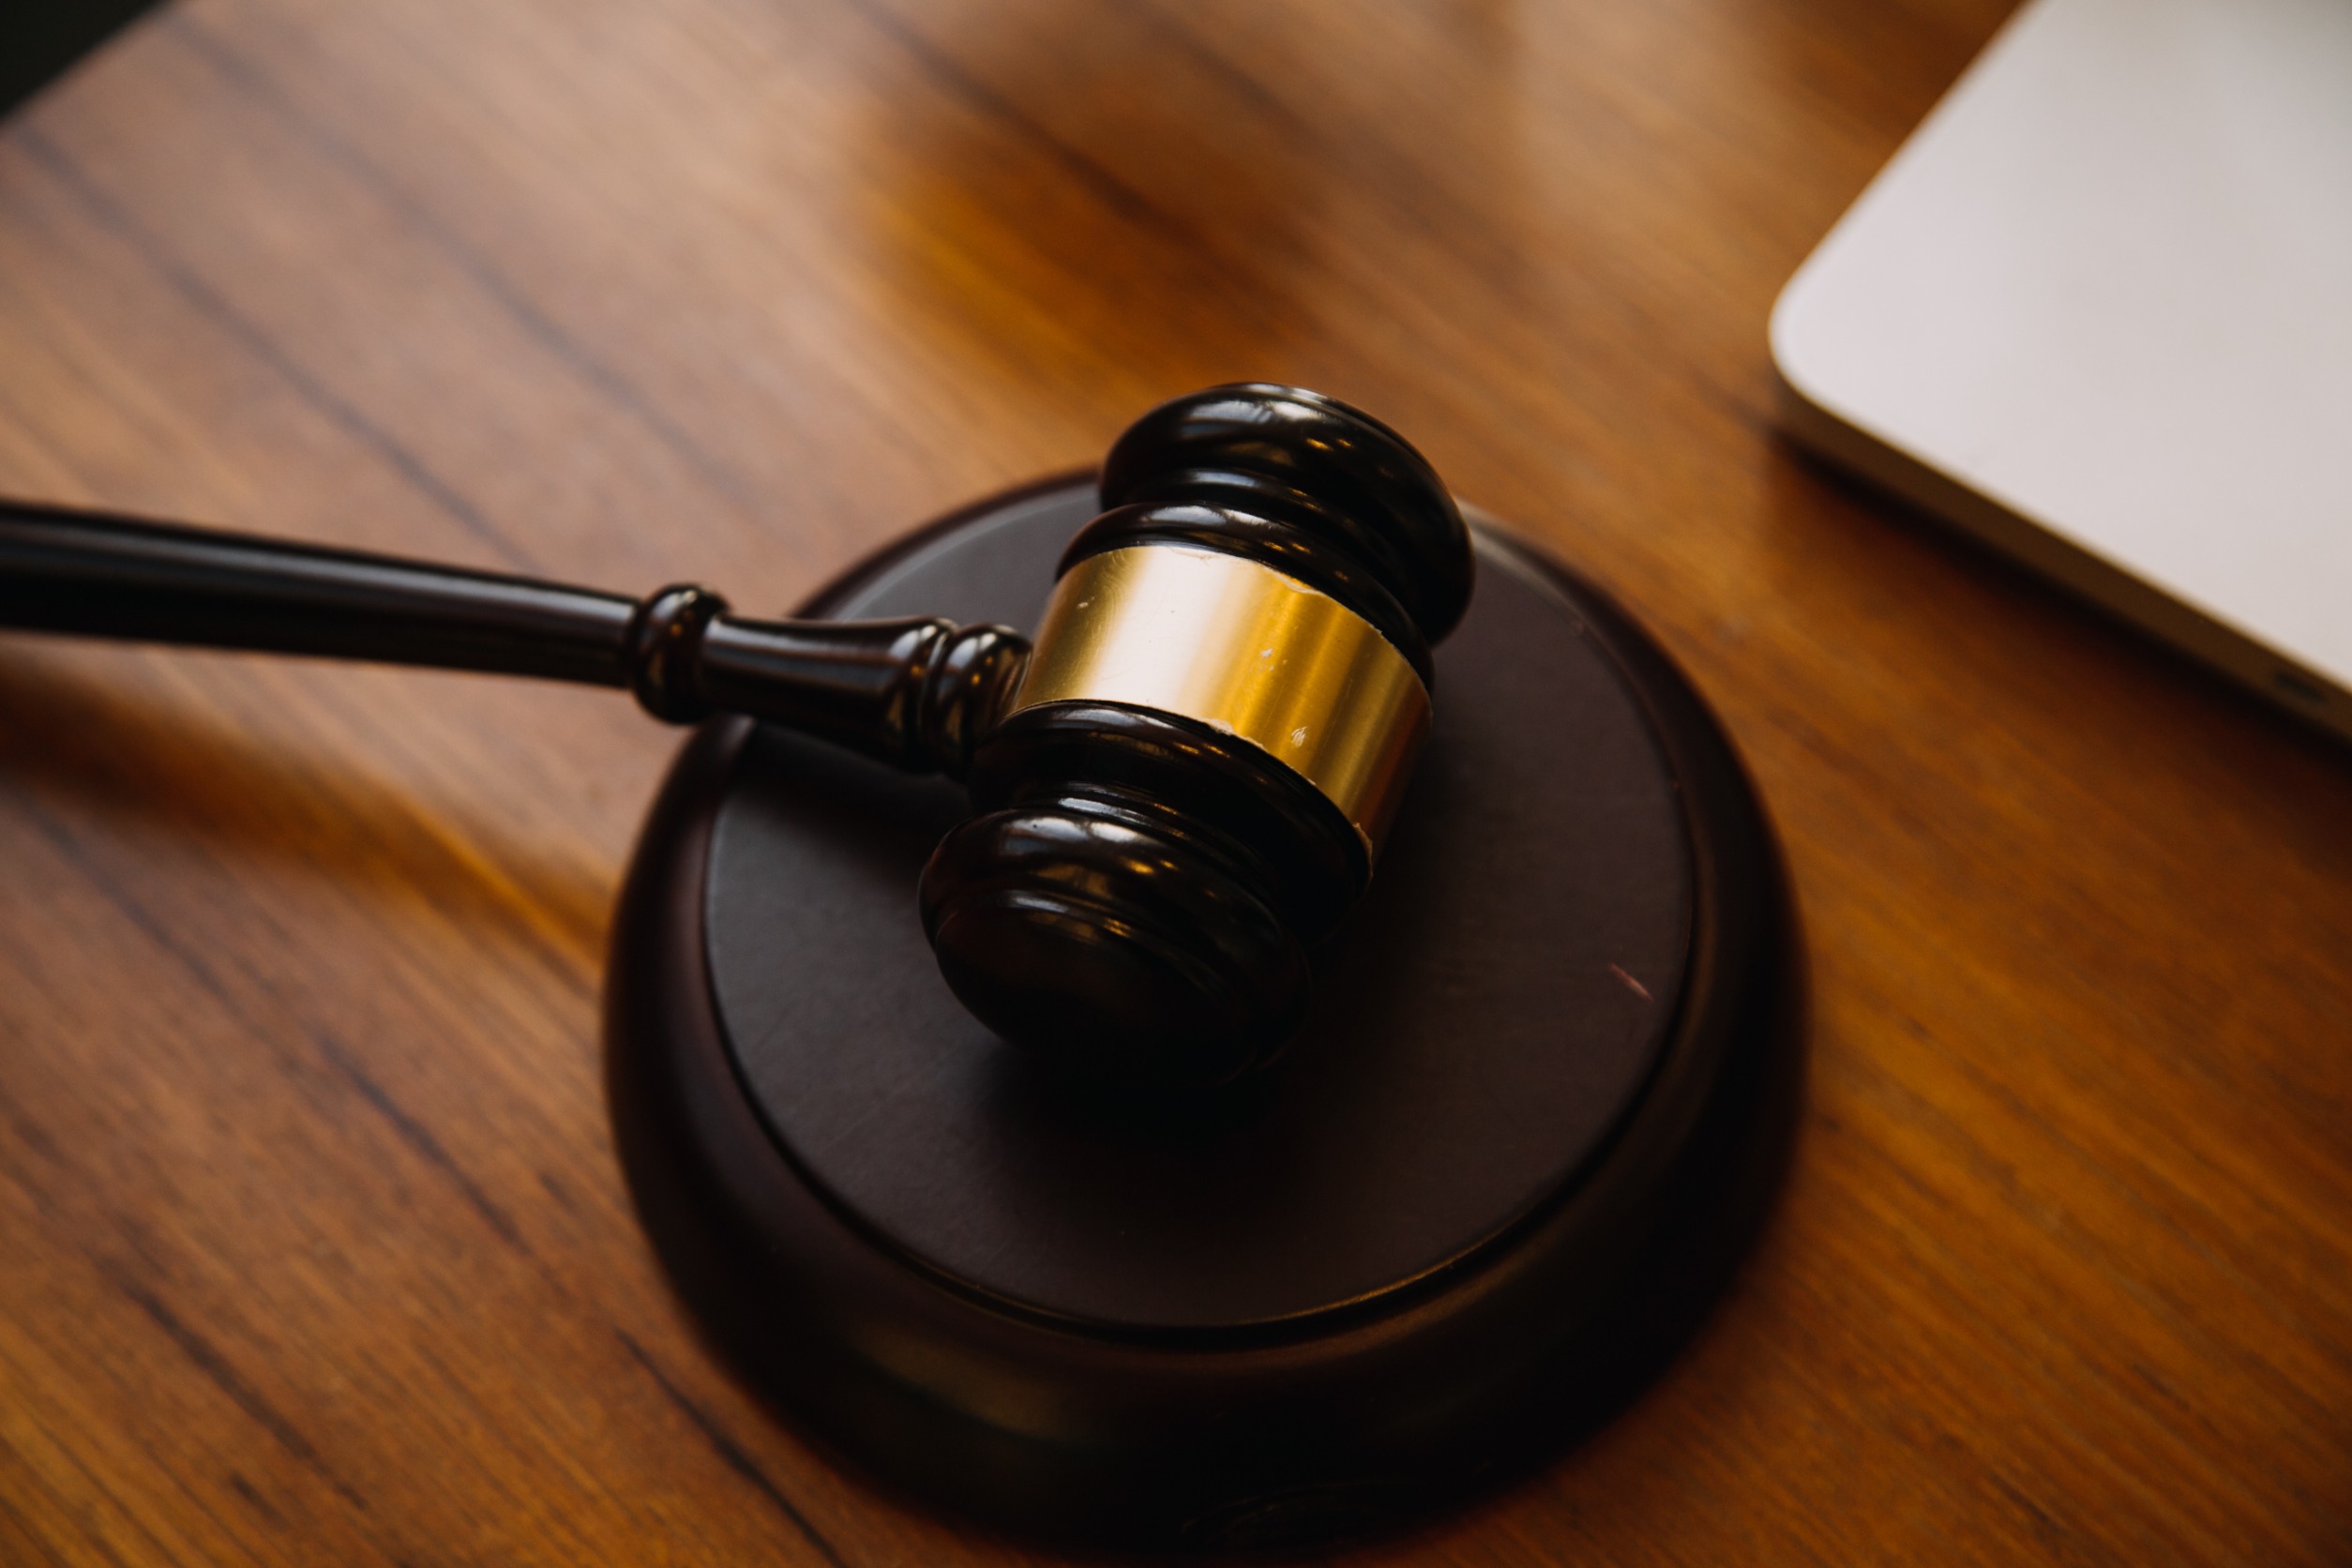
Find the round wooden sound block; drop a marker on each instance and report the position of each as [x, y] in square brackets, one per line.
[1536, 1117]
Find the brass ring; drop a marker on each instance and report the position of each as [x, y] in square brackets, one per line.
[1248, 651]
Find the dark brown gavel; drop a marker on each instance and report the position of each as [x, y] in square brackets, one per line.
[1178, 793]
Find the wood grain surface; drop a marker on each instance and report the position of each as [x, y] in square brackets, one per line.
[312, 1245]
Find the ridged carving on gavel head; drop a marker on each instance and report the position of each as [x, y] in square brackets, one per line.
[1189, 789]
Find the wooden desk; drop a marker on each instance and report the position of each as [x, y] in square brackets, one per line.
[312, 1246]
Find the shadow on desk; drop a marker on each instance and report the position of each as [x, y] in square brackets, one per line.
[40, 42]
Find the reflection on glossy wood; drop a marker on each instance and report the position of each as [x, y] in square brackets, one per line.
[312, 1243]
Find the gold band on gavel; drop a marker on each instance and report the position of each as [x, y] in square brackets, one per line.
[1247, 652]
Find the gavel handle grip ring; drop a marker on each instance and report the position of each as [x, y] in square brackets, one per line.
[917, 693]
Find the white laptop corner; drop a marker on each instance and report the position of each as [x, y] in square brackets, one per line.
[2098, 311]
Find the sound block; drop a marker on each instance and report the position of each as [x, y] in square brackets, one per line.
[1536, 1118]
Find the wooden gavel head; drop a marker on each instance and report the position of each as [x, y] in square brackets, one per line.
[1188, 787]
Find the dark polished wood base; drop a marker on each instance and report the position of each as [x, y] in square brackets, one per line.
[1536, 1118]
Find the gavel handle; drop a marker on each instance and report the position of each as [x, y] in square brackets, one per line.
[916, 693]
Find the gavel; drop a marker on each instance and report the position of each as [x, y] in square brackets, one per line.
[1178, 792]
